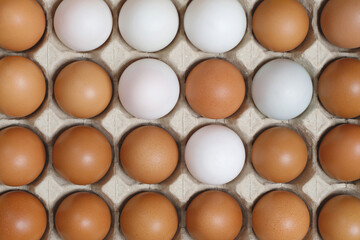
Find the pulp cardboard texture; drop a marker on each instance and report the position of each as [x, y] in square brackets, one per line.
[313, 185]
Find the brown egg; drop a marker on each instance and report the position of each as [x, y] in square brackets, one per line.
[149, 216]
[213, 215]
[22, 216]
[22, 156]
[339, 88]
[83, 215]
[339, 153]
[149, 154]
[82, 155]
[280, 25]
[280, 215]
[22, 24]
[279, 154]
[339, 219]
[340, 23]
[22, 86]
[83, 89]
[215, 89]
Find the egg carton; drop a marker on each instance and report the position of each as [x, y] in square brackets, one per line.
[313, 185]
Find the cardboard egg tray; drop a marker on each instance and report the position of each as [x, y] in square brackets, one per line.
[313, 185]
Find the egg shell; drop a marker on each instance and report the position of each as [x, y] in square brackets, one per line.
[215, 26]
[339, 88]
[279, 154]
[83, 25]
[280, 215]
[22, 155]
[280, 25]
[214, 155]
[215, 89]
[213, 215]
[339, 153]
[282, 89]
[148, 89]
[83, 89]
[339, 218]
[82, 155]
[22, 86]
[83, 215]
[22, 216]
[340, 23]
[149, 216]
[149, 154]
[148, 25]
[22, 24]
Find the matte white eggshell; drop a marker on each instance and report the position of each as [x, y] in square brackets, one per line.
[282, 89]
[148, 25]
[215, 155]
[215, 26]
[83, 25]
[148, 89]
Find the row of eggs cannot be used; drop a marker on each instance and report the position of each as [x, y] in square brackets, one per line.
[149, 154]
[149, 89]
[278, 214]
[150, 25]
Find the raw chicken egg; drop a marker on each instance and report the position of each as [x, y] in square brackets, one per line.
[22, 86]
[215, 26]
[83, 89]
[22, 24]
[149, 216]
[83, 215]
[339, 153]
[149, 154]
[22, 156]
[215, 89]
[282, 89]
[280, 25]
[22, 216]
[83, 25]
[339, 218]
[149, 89]
[215, 155]
[279, 154]
[280, 215]
[82, 155]
[340, 23]
[214, 215]
[148, 25]
[339, 88]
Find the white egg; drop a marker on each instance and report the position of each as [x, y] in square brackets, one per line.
[148, 25]
[215, 155]
[148, 89]
[83, 25]
[215, 26]
[282, 89]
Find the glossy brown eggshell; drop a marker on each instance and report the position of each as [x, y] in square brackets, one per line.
[339, 153]
[280, 215]
[22, 216]
[82, 155]
[149, 154]
[339, 218]
[22, 156]
[149, 216]
[83, 215]
[214, 215]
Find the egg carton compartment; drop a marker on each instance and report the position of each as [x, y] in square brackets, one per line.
[313, 185]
